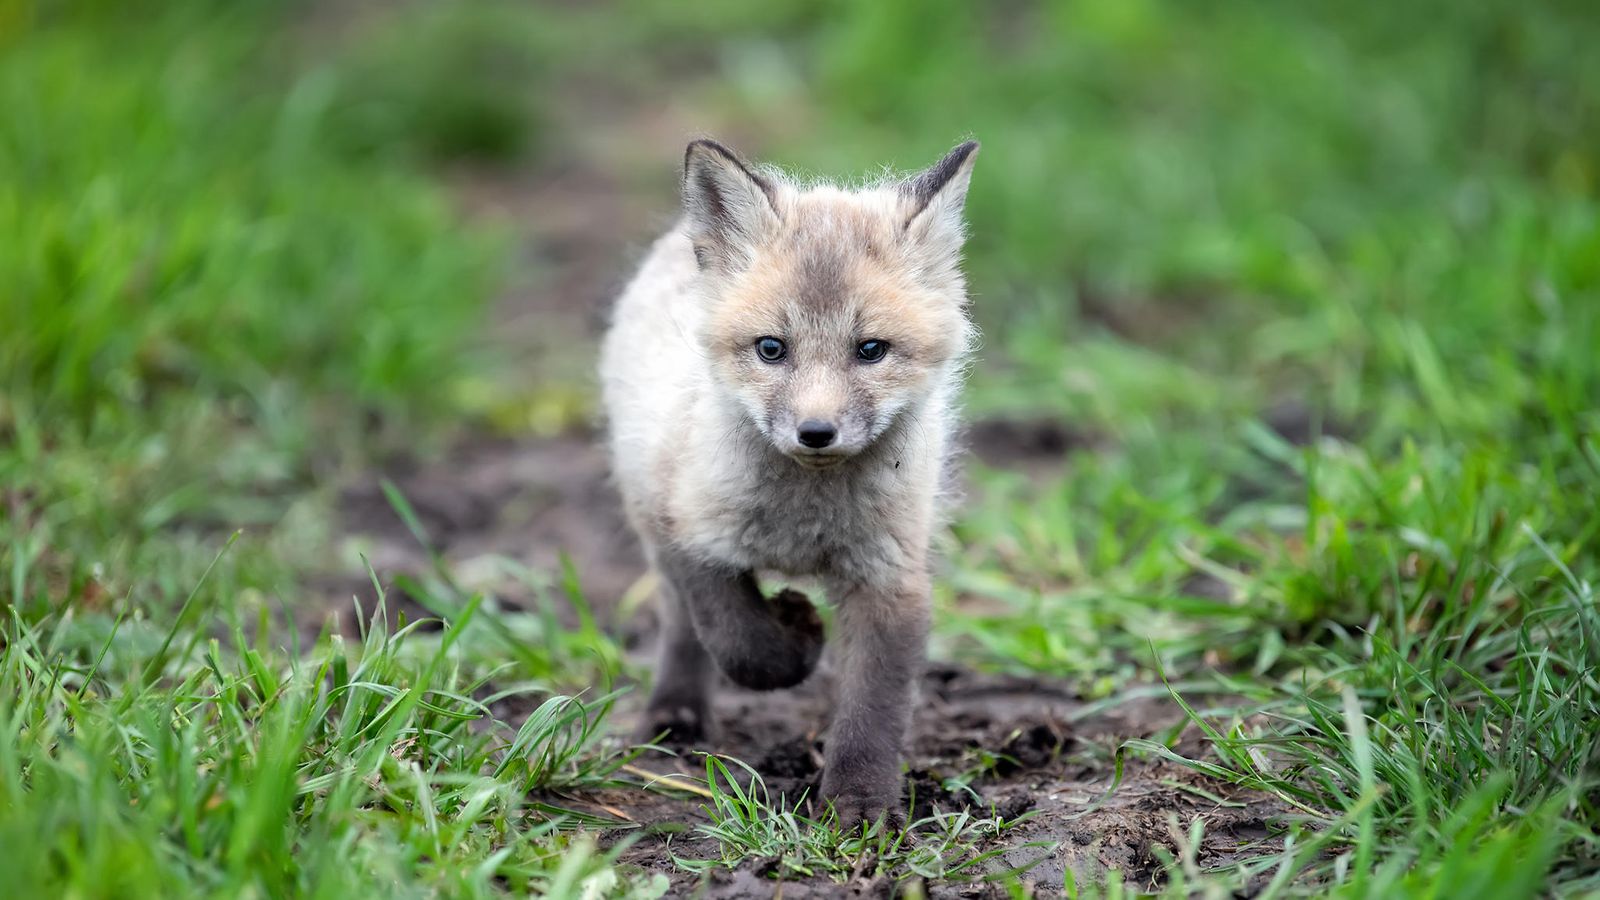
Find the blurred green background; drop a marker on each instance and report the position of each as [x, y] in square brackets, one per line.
[232, 225]
[1301, 301]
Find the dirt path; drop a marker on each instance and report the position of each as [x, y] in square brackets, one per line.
[532, 499]
[1024, 748]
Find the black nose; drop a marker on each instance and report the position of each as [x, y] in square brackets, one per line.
[815, 434]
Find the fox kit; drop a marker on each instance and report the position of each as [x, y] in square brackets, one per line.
[780, 380]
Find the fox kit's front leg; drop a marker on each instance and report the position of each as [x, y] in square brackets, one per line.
[881, 640]
[713, 614]
[759, 643]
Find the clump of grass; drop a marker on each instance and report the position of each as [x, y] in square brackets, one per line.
[1416, 658]
[539, 642]
[131, 767]
[956, 847]
[216, 210]
[1142, 543]
[208, 307]
[1448, 743]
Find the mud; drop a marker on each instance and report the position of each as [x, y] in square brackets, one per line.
[1023, 747]
[531, 500]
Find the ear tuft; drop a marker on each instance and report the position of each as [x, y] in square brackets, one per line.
[935, 197]
[729, 205]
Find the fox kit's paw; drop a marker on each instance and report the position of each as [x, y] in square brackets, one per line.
[861, 793]
[857, 810]
[674, 725]
[785, 656]
[794, 610]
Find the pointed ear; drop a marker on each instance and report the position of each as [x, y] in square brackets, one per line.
[934, 198]
[730, 207]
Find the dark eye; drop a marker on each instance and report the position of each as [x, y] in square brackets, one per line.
[770, 349]
[872, 351]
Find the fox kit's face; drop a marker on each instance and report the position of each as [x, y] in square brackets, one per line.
[832, 313]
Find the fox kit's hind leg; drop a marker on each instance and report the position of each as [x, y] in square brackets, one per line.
[759, 643]
[881, 638]
[680, 701]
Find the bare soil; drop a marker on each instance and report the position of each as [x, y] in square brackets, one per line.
[1053, 765]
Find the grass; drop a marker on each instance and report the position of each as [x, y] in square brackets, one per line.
[137, 763]
[747, 823]
[208, 308]
[431, 86]
[1317, 284]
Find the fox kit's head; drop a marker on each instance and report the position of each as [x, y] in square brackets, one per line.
[833, 314]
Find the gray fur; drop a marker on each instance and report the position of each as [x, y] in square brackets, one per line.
[759, 644]
[714, 480]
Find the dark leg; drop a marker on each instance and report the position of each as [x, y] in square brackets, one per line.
[758, 643]
[882, 638]
[680, 701]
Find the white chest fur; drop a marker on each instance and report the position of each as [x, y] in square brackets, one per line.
[756, 509]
